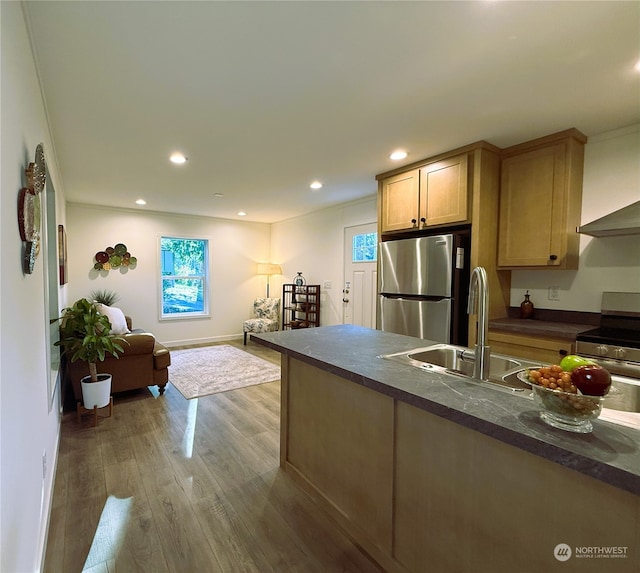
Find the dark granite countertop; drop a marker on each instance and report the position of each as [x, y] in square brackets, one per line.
[610, 453]
[534, 327]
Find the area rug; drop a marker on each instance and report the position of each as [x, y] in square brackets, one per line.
[197, 372]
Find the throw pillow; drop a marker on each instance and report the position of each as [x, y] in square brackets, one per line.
[116, 318]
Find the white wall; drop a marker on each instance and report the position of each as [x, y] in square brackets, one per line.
[28, 429]
[611, 181]
[314, 245]
[235, 248]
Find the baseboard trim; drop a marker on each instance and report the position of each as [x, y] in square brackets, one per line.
[201, 341]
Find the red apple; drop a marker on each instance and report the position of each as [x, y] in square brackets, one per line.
[591, 379]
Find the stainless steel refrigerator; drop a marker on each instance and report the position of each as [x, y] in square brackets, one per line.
[423, 287]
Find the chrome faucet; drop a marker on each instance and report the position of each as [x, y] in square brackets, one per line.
[479, 304]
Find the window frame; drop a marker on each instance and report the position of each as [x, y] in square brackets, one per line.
[205, 278]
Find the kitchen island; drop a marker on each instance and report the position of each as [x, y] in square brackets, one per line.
[429, 472]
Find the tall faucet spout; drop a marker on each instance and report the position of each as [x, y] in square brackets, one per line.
[478, 303]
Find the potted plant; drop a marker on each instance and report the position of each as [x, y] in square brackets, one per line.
[85, 334]
[104, 296]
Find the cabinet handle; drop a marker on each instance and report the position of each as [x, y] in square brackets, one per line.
[423, 221]
[553, 257]
[415, 223]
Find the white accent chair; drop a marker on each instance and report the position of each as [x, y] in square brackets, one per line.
[267, 311]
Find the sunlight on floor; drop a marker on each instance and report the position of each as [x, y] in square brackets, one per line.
[190, 429]
[110, 531]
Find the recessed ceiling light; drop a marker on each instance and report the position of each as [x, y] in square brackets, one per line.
[141, 202]
[218, 195]
[178, 158]
[398, 154]
[242, 214]
[316, 185]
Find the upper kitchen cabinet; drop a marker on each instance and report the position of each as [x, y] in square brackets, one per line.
[453, 190]
[444, 192]
[541, 202]
[435, 194]
[400, 201]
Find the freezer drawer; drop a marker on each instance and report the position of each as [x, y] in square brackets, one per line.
[430, 319]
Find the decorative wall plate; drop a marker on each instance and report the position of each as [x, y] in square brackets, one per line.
[29, 214]
[40, 170]
[114, 258]
[31, 250]
[102, 257]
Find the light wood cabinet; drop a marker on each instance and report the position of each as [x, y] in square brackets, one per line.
[548, 350]
[339, 440]
[444, 192]
[400, 200]
[435, 194]
[541, 202]
[407, 485]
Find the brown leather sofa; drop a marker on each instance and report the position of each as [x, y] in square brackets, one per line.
[143, 363]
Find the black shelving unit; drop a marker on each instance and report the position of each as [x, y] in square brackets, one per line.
[300, 306]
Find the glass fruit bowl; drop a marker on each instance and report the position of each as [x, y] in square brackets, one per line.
[565, 410]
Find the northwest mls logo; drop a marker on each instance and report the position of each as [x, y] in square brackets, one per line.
[562, 552]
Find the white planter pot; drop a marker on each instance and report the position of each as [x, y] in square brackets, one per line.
[96, 393]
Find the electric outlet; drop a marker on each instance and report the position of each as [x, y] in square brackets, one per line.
[44, 466]
[554, 293]
[327, 285]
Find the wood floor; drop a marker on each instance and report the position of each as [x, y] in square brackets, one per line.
[180, 486]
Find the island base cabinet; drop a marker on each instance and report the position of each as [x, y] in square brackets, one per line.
[420, 493]
[466, 502]
[339, 439]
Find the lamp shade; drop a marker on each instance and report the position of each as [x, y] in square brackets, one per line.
[269, 269]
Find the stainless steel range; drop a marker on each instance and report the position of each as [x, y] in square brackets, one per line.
[615, 345]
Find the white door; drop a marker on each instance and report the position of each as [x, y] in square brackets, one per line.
[360, 275]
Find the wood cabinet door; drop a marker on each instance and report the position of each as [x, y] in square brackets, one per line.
[444, 192]
[532, 209]
[400, 201]
[547, 350]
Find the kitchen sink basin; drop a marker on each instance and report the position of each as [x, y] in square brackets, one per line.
[459, 361]
[462, 360]
[503, 372]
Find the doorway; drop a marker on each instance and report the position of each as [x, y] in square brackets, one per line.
[360, 287]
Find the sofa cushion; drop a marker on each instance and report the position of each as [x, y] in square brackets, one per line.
[116, 318]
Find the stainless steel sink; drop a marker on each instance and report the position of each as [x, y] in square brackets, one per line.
[503, 372]
[459, 361]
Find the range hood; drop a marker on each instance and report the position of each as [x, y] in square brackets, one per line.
[625, 221]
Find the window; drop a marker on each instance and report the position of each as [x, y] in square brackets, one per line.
[184, 265]
[365, 248]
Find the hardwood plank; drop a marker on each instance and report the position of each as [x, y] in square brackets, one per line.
[316, 530]
[229, 536]
[184, 545]
[174, 485]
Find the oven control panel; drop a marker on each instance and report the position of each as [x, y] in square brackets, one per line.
[611, 356]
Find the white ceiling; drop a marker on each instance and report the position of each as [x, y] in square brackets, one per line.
[264, 97]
